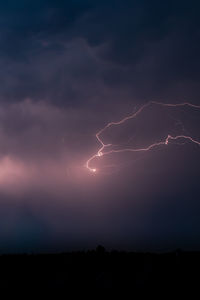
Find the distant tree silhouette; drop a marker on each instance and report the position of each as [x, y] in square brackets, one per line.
[100, 249]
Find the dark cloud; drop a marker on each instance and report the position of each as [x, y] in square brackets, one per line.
[69, 53]
[66, 69]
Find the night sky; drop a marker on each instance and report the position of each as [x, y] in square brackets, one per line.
[68, 68]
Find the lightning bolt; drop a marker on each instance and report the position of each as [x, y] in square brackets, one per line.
[102, 150]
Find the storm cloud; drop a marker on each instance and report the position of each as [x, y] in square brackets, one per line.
[66, 70]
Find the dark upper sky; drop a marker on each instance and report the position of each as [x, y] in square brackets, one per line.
[67, 68]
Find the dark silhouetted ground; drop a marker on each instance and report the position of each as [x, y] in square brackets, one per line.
[97, 271]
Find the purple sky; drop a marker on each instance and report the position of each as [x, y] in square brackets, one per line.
[69, 68]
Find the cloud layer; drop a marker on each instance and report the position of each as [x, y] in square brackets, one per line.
[66, 70]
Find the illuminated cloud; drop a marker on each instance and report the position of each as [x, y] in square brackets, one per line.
[69, 68]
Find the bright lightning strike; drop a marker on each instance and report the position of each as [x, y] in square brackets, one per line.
[102, 152]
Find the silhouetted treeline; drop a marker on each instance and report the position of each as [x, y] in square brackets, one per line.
[99, 270]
